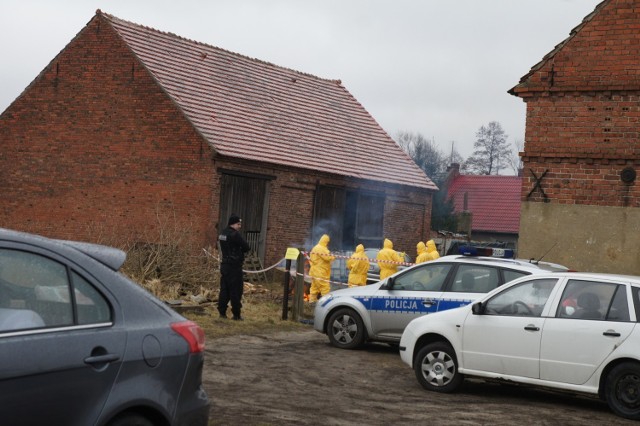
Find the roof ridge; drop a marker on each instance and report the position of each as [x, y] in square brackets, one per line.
[551, 54]
[168, 33]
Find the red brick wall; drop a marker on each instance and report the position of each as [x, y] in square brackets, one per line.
[93, 145]
[583, 141]
[601, 55]
[583, 112]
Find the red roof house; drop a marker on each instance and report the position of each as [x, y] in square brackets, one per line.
[128, 124]
[493, 202]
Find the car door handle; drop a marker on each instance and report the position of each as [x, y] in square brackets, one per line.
[611, 333]
[428, 302]
[531, 327]
[101, 359]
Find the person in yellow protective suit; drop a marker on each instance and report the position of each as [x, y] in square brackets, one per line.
[432, 251]
[358, 265]
[320, 270]
[389, 260]
[423, 256]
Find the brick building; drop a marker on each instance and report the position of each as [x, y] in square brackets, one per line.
[580, 195]
[128, 124]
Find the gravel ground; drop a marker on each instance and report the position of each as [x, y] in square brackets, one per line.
[297, 378]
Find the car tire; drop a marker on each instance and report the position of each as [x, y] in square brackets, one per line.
[130, 419]
[345, 329]
[436, 368]
[622, 390]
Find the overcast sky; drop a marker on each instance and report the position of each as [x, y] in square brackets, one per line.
[441, 68]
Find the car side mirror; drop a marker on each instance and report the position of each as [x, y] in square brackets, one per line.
[390, 282]
[477, 308]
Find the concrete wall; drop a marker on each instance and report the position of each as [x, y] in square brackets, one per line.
[584, 238]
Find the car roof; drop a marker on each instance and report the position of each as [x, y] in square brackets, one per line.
[590, 276]
[497, 261]
[111, 257]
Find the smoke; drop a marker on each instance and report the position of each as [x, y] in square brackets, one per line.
[324, 226]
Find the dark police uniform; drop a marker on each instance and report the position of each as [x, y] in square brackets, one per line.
[233, 248]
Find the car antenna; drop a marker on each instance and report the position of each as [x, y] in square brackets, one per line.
[532, 260]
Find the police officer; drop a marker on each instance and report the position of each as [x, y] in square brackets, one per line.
[233, 248]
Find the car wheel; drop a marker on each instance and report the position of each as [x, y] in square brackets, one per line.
[436, 368]
[345, 329]
[130, 419]
[622, 390]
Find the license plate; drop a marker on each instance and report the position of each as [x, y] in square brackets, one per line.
[498, 252]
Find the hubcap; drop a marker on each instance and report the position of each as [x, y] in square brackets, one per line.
[344, 329]
[438, 368]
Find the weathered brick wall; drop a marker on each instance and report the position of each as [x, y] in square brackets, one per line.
[602, 54]
[93, 146]
[595, 182]
[583, 112]
[407, 221]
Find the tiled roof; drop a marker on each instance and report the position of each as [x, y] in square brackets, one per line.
[494, 201]
[250, 109]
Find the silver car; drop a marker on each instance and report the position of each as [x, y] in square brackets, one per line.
[80, 344]
[381, 311]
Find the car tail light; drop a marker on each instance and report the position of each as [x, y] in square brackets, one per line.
[192, 333]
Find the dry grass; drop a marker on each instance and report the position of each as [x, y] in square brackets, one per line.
[163, 260]
[259, 317]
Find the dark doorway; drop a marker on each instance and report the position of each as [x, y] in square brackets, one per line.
[248, 198]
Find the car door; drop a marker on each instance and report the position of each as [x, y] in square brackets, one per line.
[408, 295]
[505, 338]
[59, 362]
[591, 321]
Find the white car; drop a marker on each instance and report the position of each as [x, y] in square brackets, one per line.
[382, 310]
[576, 332]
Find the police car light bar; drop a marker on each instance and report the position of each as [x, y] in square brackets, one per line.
[486, 251]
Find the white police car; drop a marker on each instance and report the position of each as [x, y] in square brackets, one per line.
[576, 332]
[382, 310]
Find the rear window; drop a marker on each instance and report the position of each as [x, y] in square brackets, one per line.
[475, 279]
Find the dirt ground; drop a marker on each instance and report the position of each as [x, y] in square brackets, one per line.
[297, 378]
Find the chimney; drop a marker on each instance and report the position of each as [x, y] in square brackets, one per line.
[454, 169]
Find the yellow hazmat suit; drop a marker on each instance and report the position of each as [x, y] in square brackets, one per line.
[358, 265]
[432, 251]
[320, 270]
[423, 256]
[386, 256]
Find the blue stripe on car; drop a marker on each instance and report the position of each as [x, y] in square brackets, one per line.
[409, 304]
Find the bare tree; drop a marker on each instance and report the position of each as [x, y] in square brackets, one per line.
[422, 151]
[426, 154]
[514, 160]
[491, 151]
[434, 163]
